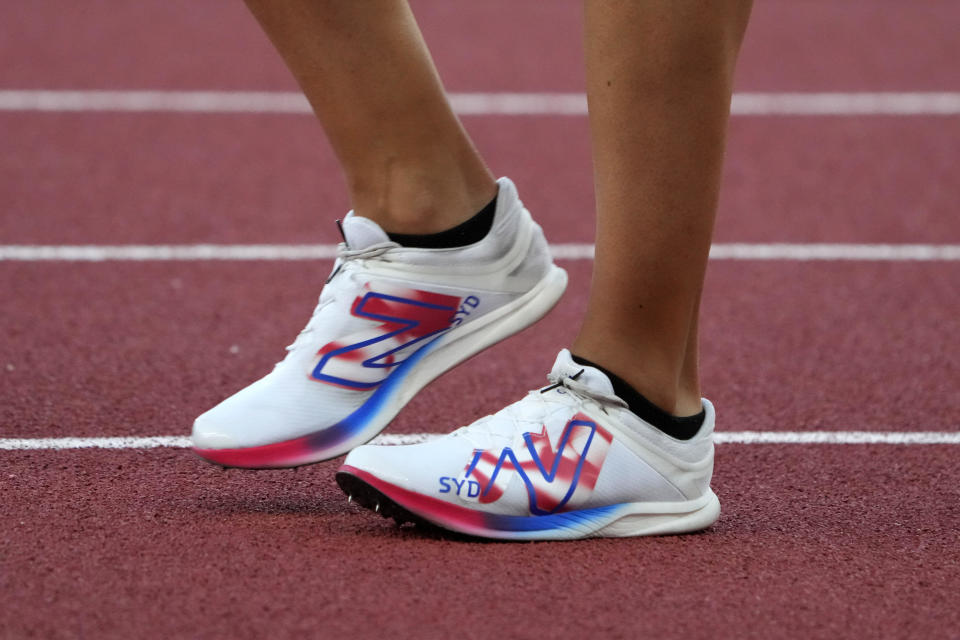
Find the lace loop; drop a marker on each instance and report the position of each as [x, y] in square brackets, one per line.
[582, 390]
[501, 428]
[344, 253]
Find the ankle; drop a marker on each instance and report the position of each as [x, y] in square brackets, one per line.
[659, 384]
[682, 428]
[422, 199]
[688, 399]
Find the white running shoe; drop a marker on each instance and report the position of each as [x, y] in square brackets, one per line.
[568, 461]
[390, 319]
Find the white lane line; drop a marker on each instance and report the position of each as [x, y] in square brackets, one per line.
[846, 104]
[499, 103]
[151, 442]
[726, 437]
[135, 253]
[837, 437]
[562, 251]
[824, 251]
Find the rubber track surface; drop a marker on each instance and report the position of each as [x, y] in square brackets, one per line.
[141, 349]
[813, 542]
[825, 541]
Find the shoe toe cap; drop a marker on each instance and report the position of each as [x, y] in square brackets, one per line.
[388, 463]
[236, 423]
[416, 466]
[210, 432]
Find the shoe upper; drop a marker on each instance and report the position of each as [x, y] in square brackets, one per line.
[573, 445]
[383, 306]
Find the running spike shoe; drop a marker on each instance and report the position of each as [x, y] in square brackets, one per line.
[389, 320]
[568, 461]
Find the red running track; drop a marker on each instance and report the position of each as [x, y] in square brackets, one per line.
[271, 179]
[142, 349]
[815, 541]
[157, 544]
[496, 45]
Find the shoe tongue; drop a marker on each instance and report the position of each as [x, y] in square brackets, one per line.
[591, 377]
[360, 232]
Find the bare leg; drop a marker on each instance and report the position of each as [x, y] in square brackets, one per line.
[659, 76]
[368, 75]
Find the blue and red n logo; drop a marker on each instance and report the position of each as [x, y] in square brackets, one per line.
[407, 320]
[556, 478]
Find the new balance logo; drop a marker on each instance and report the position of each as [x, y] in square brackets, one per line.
[405, 321]
[556, 478]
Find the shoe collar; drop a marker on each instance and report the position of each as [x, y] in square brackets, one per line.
[360, 233]
[585, 380]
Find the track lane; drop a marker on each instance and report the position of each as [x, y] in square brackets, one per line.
[268, 179]
[835, 548]
[117, 349]
[862, 44]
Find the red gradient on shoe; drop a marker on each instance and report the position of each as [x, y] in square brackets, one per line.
[279, 455]
[550, 474]
[433, 509]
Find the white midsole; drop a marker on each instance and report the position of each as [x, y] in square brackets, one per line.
[646, 519]
[630, 519]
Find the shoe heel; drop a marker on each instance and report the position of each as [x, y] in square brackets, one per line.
[658, 524]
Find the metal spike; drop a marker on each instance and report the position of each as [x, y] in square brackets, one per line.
[377, 508]
[349, 498]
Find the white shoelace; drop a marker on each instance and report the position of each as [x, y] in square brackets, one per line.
[346, 257]
[497, 429]
[580, 389]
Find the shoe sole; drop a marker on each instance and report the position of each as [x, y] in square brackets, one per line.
[618, 520]
[432, 360]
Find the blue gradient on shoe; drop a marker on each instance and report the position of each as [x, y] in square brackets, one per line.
[578, 519]
[359, 419]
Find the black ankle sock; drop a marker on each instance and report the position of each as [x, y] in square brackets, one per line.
[680, 428]
[473, 230]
